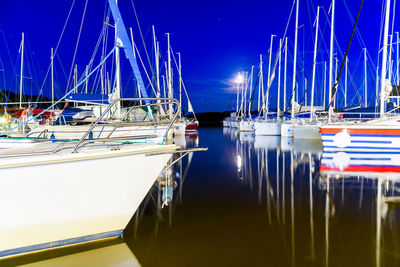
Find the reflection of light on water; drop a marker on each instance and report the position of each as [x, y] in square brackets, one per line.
[239, 163]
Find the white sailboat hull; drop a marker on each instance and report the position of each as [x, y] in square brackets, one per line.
[306, 131]
[267, 127]
[287, 129]
[246, 126]
[63, 199]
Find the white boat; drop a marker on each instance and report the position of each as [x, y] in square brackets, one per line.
[287, 128]
[306, 131]
[265, 127]
[56, 197]
[246, 126]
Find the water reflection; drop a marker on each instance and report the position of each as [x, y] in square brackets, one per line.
[346, 185]
[381, 172]
[257, 201]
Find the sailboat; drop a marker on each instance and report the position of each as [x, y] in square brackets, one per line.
[381, 134]
[69, 192]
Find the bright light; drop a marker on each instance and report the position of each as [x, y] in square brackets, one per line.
[239, 163]
[239, 79]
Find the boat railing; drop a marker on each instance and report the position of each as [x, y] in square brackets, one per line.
[121, 122]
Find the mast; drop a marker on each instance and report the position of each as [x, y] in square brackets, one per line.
[269, 73]
[87, 80]
[295, 57]
[76, 77]
[237, 94]
[390, 58]
[314, 65]
[180, 81]
[169, 78]
[21, 83]
[324, 84]
[384, 58]
[284, 77]
[279, 81]
[52, 76]
[345, 83]
[262, 83]
[259, 84]
[117, 92]
[397, 59]
[331, 59]
[157, 61]
[251, 85]
[365, 79]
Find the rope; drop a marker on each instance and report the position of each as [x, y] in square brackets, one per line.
[334, 90]
[76, 46]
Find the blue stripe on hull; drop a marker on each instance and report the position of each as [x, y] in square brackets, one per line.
[60, 243]
[360, 141]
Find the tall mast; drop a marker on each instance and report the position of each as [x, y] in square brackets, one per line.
[284, 77]
[390, 57]
[365, 79]
[397, 60]
[324, 84]
[259, 84]
[21, 84]
[157, 61]
[117, 92]
[251, 85]
[262, 83]
[279, 81]
[384, 58]
[169, 78]
[87, 80]
[295, 57]
[237, 95]
[269, 73]
[180, 80]
[314, 64]
[52, 77]
[345, 83]
[331, 58]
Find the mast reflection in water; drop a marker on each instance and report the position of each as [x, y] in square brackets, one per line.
[261, 201]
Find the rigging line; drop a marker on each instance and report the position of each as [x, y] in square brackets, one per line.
[144, 43]
[277, 56]
[55, 51]
[359, 36]
[181, 80]
[145, 71]
[62, 98]
[8, 50]
[76, 46]
[345, 56]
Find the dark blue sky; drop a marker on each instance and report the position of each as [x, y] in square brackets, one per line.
[216, 38]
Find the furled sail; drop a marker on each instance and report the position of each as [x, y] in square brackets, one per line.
[123, 38]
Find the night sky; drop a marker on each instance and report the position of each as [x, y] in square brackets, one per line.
[217, 39]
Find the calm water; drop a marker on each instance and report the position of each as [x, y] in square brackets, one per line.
[253, 201]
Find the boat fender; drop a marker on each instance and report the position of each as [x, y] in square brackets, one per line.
[52, 138]
[91, 135]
